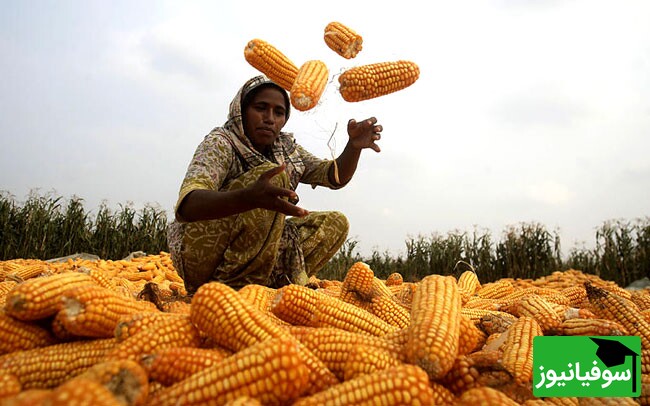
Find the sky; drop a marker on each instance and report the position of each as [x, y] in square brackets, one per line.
[524, 112]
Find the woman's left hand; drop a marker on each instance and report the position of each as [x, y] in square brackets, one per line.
[363, 134]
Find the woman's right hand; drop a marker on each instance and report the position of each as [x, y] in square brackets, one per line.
[265, 195]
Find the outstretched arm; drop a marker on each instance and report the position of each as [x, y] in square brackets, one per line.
[362, 135]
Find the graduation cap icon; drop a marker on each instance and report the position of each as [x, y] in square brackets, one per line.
[613, 353]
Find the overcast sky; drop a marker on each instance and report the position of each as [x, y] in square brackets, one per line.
[525, 111]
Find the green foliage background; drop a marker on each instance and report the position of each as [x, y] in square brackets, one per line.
[48, 226]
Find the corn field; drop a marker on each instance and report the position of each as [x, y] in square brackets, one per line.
[48, 226]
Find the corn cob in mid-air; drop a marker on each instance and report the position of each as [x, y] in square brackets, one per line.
[369, 81]
[269, 60]
[342, 40]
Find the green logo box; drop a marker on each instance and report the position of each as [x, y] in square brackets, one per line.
[585, 366]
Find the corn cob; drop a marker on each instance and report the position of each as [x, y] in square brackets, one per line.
[342, 40]
[461, 377]
[496, 322]
[5, 287]
[81, 392]
[480, 303]
[271, 371]
[19, 335]
[174, 364]
[333, 346]
[126, 380]
[176, 332]
[332, 312]
[38, 298]
[394, 279]
[404, 296]
[613, 307]
[234, 324]
[496, 290]
[365, 359]
[404, 384]
[541, 310]
[98, 276]
[591, 327]
[176, 307]
[270, 61]
[435, 325]
[390, 311]
[358, 279]
[243, 401]
[29, 397]
[309, 85]
[9, 385]
[470, 336]
[369, 81]
[27, 269]
[131, 324]
[229, 319]
[518, 349]
[296, 304]
[468, 284]
[94, 311]
[484, 396]
[48, 367]
[476, 314]
[641, 298]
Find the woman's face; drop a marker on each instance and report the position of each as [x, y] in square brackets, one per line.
[264, 117]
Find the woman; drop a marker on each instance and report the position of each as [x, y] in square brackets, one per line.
[237, 221]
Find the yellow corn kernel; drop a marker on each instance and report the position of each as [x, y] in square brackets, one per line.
[394, 279]
[333, 346]
[171, 365]
[518, 349]
[537, 307]
[309, 85]
[435, 325]
[591, 327]
[48, 367]
[404, 384]
[233, 323]
[270, 61]
[229, 319]
[462, 375]
[365, 359]
[82, 392]
[332, 312]
[9, 385]
[20, 335]
[94, 311]
[166, 333]
[38, 298]
[496, 290]
[342, 40]
[611, 306]
[126, 380]
[131, 324]
[390, 311]
[470, 337]
[369, 81]
[484, 396]
[468, 284]
[296, 304]
[271, 371]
